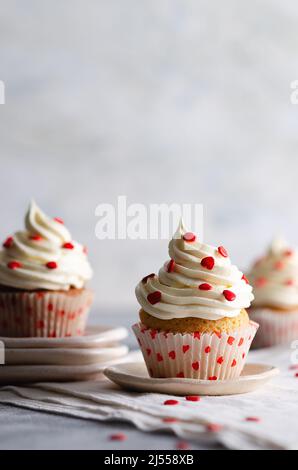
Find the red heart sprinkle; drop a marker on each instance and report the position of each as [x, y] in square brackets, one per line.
[170, 420]
[290, 282]
[222, 251]
[208, 262]
[207, 349]
[220, 360]
[14, 265]
[180, 375]
[197, 335]
[253, 418]
[296, 375]
[118, 437]
[182, 445]
[213, 377]
[192, 398]
[243, 355]
[189, 237]
[148, 350]
[279, 265]
[40, 324]
[8, 242]
[159, 357]
[240, 341]
[52, 265]
[288, 253]
[195, 365]
[68, 246]
[145, 279]
[213, 427]
[171, 266]
[154, 297]
[36, 238]
[153, 333]
[234, 362]
[260, 282]
[172, 354]
[60, 221]
[52, 334]
[50, 307]
[244, 278]
[229, 295]
[185, 348]
[231, 340]
[205, 286]
[171, 402]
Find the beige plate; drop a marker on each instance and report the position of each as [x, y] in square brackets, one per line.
[61, 356]
[134, 376]
[95, 336]
[10, 375]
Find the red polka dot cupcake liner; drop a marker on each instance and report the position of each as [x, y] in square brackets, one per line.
[275, 328]
[44, 314]
[204, 356]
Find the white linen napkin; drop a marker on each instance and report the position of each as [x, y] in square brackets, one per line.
[275, 405]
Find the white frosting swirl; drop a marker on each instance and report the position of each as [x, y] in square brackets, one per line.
[180, 293]
[275, 277]
[43, 256]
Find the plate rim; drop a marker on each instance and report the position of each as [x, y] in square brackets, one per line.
[112, 371]
[105, 336]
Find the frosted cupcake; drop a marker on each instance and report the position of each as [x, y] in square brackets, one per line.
[275, 281]
[42, 280]
[193, 321]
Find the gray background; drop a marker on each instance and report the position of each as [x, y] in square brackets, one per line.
[159, 100]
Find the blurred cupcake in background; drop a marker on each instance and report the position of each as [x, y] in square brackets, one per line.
[274, 278]
[193, 322]
[43, 273]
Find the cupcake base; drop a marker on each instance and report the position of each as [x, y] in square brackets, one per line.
[276, 327]
[204, 356]
[43, 313]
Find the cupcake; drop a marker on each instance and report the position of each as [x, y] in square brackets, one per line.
[42, 280]
[275, 281]
[193, 322]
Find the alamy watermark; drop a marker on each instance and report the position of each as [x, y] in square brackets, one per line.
[294, 94]
[134, 221]
[2, 92]
[2, 353]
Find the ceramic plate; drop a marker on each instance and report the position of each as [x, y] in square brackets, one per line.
[95, 336]
[61, 356]
[10, 375]
[134, 376]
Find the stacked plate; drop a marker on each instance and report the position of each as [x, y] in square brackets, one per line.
[62, 359]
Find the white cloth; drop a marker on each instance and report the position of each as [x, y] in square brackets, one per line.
[276, 405]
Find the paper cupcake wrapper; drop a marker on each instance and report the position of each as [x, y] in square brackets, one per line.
[275, 328]
[204, 356]
[44, 314]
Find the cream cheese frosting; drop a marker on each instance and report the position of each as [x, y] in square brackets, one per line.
[198, 281]
[275, 277]
[43, 256]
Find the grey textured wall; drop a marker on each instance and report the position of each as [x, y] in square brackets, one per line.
[160, 100]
